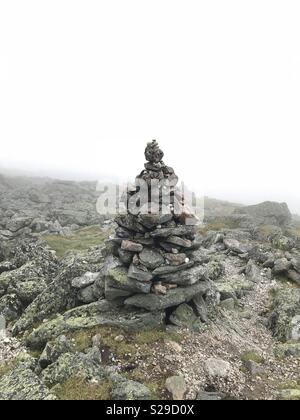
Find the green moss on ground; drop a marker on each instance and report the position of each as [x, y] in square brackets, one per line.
[80, 240]
[252, 356]
[78, 389]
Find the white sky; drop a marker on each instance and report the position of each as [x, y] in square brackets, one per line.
[85, 84]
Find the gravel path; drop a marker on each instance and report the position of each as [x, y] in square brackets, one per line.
[237, 332]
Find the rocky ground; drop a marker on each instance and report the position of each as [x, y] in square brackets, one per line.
[64, 341]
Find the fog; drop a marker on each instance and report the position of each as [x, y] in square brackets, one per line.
[84, 85]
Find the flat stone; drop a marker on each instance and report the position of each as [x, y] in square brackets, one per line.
[178, 231]
[287, 350]
[151, 258]
[138, 274]
[168, 269]
[186, 277]
[235, 246]
[150, 221]
[130, 223]
[118, 279]
[131, 246]
[176, 240]
[173, 297]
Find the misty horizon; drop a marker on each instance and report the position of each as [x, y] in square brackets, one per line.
[52, 175]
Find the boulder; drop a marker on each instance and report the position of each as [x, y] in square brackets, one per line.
[101, 313]
[217, 368]
[267, 213]
[21, 384]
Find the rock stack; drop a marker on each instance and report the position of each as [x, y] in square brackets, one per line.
[155, 265]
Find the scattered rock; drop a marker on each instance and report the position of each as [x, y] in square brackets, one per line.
[176, 386]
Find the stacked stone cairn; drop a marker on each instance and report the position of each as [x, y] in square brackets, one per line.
[153, 266]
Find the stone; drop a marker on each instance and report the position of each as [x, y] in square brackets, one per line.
[295, 328]
[169, 269]
[294, 276]
[176, 240]
[101, 313]
[22, 384]
[228, 304]
[235, 246]
[173, 297]
[285, 308]
[176, 259]
[130, 390]
[86, 280]
[184, 316]
[217, 368]
[296, 263]
[151, 258]
[54, 350]
[290, 394]
[159, 289]
[152, 220]
[281, 265]
[130, 223]
[186, 277]
[177, 231]
[287, 350]
[252, 272]
[254, 368]
[140, 275]
[176, 386]
[117, 278]
[201, 307]
[210, 396]
[131, 246]
[10, 307]
[87, 295]
[125, 256]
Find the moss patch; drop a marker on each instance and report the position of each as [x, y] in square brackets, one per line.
[80, 240]
[77, 389]
[252, 356]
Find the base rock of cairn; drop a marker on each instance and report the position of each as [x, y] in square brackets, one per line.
[150, 262]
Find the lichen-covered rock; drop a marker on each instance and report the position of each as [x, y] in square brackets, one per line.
[59, 295]
[287, 350]
[285, 307]
[184, 316]
[54, 350]
[70, 364]
[125, 389]
[118, 278]
[10, 307]
[102, 313]
[21, 383]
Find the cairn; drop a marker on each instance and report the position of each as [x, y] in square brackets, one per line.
[154, 245]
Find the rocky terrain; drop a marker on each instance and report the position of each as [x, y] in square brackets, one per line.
[83, 321]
